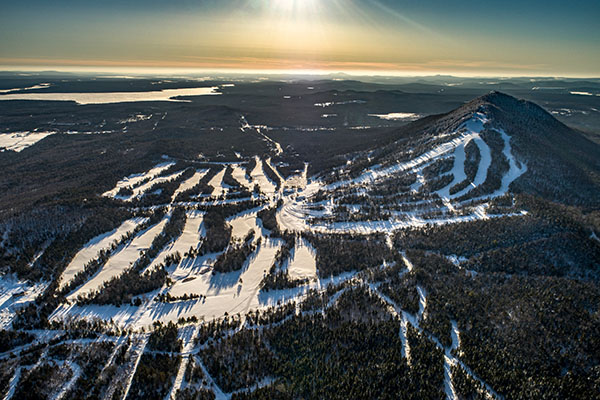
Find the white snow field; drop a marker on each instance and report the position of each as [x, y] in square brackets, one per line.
[135, 179]
[231, 293]
[18, 141]
[190, 238]
[297, 210]
[190, 182]
[121, 260]
[397, 116]
[258, 176]
[239, 174]
[91, 249]
[115, 97]
[217, 183]
[243, 223]
[142, 189]
[302, 263]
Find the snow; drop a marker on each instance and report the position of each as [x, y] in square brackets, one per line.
[422, 302]
[135, 179]
[187, 336]
[239, 174]
[397, 116]
[258, 176]
[142, 189]
[217, 183]
[138, 356]
[18, 141]
[115, 97]
[404, 339]
[474, 127]
[242, 224]
[514, 170]
[12, 386]
[76, 370]
[189, 238]
[121, 260]
[482, 170]
[91, 249]
[190, 182]
[582, 93]
[15, 294]
[302, 264]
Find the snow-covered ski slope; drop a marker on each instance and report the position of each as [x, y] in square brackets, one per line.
[307, 205]
[447, 204]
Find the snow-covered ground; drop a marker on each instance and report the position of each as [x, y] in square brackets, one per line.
[242, 224]
[189, 238]
[258, 176]
[217, 183]
[135, 179]
[239, 174]
[17, 141]
[397, 116]
[190, 182]
[15, 294]
[122, 259]
[91, 249]
[302, 263]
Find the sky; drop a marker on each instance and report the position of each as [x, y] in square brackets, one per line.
[401, 37]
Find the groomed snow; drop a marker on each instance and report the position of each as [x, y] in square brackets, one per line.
[239, 174]
[258, 176]
[134, 179]
[18, 141]
[123, 258]
[190, 238]
[242, 224]
[190, 183]
[217, 183]
[303, 264]
[91, 249]
[115, 97]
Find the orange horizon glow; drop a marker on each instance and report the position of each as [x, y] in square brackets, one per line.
[277, 67]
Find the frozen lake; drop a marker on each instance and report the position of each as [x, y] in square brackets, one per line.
[115, 97]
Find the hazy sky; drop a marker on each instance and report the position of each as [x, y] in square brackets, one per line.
[486, 37]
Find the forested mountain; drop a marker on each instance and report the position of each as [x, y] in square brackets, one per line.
[285, 241]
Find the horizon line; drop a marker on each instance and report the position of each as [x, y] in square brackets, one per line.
[149, 71]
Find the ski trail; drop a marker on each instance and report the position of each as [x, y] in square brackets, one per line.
[113, 354]
[409, 265]
[514, 170]
[187, 334]
[217, 183]
[484, 164]
[422, 302]
[76, 374]
[219, 394]
[140, 352]
[13, 384]
[449, 362]
[404, 338]
[449, 358]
